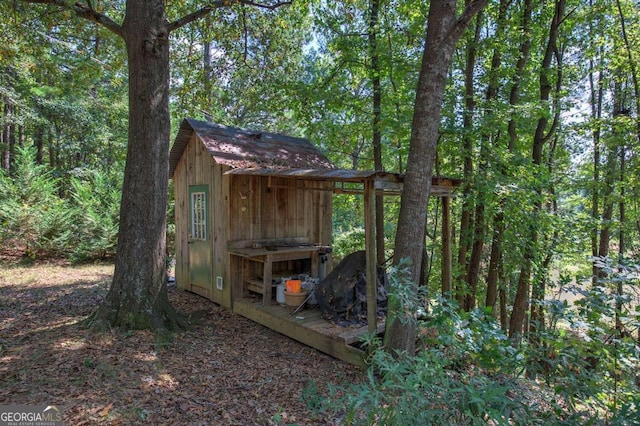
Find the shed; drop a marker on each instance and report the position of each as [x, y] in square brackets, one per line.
[252, 206]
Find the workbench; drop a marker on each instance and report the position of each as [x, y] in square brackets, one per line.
[267, 256]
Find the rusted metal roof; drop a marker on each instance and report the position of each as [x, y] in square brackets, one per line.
[242, 148]
[249, 152]
[306, 173]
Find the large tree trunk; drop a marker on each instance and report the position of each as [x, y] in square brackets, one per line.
[443, 32]
[138, 294]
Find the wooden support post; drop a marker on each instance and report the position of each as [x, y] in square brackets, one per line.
[267, 273]
[370, 248]
[446, 245]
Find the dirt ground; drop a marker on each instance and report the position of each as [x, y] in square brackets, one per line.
[226, 370]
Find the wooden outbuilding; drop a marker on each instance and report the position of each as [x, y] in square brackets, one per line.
[253, 206]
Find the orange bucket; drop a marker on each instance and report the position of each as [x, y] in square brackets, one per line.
[294, 286]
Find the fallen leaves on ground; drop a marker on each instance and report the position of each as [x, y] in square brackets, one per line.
[226, 370]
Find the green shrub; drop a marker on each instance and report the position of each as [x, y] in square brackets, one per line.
[348, 242]
[94, 206]
[32, 215]
[467, 372]
[36, 219]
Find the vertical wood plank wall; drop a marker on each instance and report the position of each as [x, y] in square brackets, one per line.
[197, 167]
[263, 207]
[244, 207]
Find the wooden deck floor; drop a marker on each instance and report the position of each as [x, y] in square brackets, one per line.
[307, 326]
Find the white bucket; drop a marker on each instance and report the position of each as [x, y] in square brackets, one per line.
[280, 293]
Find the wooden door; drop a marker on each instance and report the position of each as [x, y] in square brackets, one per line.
[199, 240]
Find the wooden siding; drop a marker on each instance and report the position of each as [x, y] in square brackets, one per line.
[276, 208]
[196, 167]
[244, 208]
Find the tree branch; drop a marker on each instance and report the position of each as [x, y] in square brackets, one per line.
[85, 11]
[470, 12]
[200, 13]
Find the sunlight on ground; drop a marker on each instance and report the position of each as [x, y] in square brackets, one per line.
[71, 344]
[149, 356]
[163, 380]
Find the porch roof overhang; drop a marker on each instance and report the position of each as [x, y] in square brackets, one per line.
[385, 182]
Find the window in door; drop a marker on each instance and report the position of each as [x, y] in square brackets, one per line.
[199, 215]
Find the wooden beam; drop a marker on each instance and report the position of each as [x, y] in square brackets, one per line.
[370, 248]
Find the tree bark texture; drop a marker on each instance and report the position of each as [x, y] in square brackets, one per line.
[443, 32]
[138, 294]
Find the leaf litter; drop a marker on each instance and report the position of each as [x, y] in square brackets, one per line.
[226, 370]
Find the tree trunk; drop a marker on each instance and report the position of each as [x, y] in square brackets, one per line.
[138, 294]
[443, 32]
[621, 239]
[4, 141]
[466, 217]
[38, 141]
[375, 124]
[9, 139]
[542, 134]
[495, 260]
[632, 65]
[207, 63]
[607, 207]
[596, 115]
[473, 267]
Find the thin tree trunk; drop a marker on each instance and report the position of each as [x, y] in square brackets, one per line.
[542, 134]
[596, 115]
[537, 323]
[632, 65]
[504, 318]
[446, 247]
[463, 288]
[375, 124]
[4, 141]
[621, 239]
[8, 138]
[607, 207]
[495, 258]
[38, 141]
[477, 238]
[490, 97]
[208, 76]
